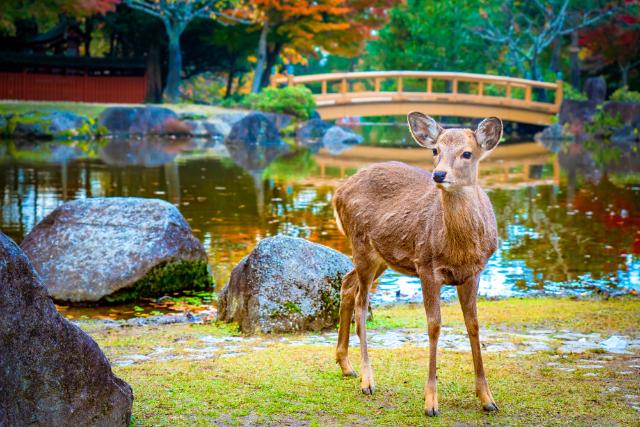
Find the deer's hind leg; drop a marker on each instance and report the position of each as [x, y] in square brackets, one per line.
[348, 293]
[369, 267]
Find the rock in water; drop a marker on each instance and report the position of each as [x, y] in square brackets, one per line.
[337, 139]
[254, 128]
[51, 372]
[115, 249]
[285, 284]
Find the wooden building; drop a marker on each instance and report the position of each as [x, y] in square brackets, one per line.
[71, 78]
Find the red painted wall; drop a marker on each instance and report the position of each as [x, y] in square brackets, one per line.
[81, 88]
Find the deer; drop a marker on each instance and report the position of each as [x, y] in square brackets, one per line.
[438, 226]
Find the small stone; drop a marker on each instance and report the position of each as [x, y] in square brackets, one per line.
[615, 344]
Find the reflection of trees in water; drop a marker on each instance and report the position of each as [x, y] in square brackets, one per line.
[560, 241]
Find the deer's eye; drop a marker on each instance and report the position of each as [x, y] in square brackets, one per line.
[435, 151]
[466, 154]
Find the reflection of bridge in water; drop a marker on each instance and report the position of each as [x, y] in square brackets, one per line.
[508, 166]
[388, 93]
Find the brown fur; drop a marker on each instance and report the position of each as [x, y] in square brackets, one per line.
[396, 216]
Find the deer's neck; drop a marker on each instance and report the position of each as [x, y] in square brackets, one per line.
[463, 220]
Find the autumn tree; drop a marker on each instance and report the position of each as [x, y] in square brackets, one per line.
[615, 42]
[49, 11]
[527, 29]
[298, 27]
[176, 16]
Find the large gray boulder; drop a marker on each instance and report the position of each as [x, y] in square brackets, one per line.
[116, 249]
[149, 120]
[286, 284]
[51, 372]
[254, 128]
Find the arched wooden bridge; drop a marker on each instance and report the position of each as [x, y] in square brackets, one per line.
[387, 93]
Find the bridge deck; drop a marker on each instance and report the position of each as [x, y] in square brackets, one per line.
[380, 93]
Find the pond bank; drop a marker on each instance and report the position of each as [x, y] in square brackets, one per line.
[538, 352]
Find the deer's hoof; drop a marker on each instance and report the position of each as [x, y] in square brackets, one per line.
[350, 373]
[431, 412]
[368, 390]
[490, 407]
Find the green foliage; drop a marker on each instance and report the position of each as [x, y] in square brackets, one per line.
[295, 100]
[166, 278]
[603, 124]
[571, 93]
[204, 88]
[429, 35]
[623, 94]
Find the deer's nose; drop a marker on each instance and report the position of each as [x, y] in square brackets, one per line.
[439, 176]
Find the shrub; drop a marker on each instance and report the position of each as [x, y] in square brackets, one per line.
[205, 88]
[570, 93]
[604, 124]
[295, 100]
[625, 95]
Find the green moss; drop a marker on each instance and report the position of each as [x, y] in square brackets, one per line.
[292, 307]
[331, 297]
[166, 278]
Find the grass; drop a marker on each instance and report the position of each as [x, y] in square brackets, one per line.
[588, 315]
[301, 385]
[93, 109]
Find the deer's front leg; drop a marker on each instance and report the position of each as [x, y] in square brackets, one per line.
[431, 297]
[467, 294]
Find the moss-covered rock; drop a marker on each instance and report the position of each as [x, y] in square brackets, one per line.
[285, 284]
[114, 249]
[166, 278]
[50, 125]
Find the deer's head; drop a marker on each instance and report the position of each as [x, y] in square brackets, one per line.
[456, 152]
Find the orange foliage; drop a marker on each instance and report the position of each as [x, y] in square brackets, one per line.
[337, 26]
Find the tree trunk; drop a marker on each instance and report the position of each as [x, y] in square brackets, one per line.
[624, 74]
[575, 61]
[172, 91]
[272, 57]
[555, 55]
[230, 80]
[154, 75]
[262, 58]
[88, 29]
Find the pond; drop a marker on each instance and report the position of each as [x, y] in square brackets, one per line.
[568, 213]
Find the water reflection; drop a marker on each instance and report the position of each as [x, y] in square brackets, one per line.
[568, 215]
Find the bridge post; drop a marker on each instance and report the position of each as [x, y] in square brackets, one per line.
[429, 84]
[377, 84]
[558, 93]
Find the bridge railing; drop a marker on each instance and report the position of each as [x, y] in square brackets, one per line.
[429, 86]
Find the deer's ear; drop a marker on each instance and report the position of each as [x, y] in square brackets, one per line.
[424, 129]
[489, 133]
